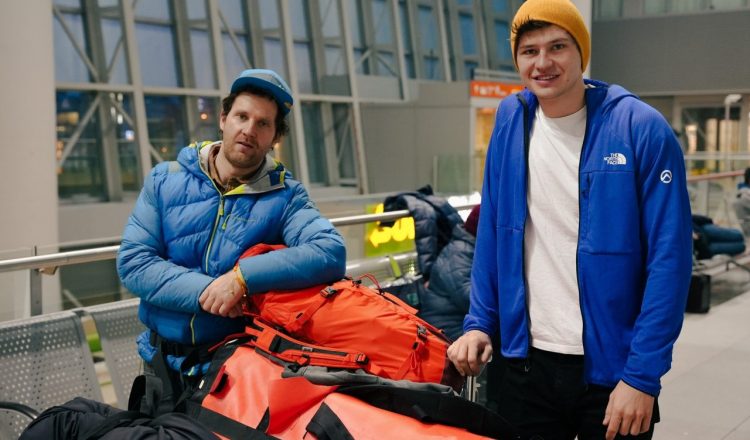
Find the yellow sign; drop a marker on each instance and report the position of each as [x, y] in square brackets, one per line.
[383, 240]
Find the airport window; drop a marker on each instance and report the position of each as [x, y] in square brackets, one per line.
[468, 34]
[80, 175]
[382, 22]
[429, 47]
[709, 136]
[157, 51]
[500, 6]
[68, 33]
[406, 36]
[329, 143]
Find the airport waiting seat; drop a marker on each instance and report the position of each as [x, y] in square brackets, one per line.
[45, 361]
[118, 325]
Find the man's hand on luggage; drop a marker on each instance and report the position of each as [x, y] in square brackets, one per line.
[222, 297]
[471, 352]
[629, 411]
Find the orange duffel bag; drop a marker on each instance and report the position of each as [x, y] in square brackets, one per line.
[351, 316]
[253, 392]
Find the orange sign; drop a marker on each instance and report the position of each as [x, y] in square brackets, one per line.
[493, 89]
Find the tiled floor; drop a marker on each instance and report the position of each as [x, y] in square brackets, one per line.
[706, 395]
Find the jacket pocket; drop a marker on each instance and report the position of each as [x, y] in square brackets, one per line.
[610, 220]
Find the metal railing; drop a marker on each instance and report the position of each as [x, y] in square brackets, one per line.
[48, 264]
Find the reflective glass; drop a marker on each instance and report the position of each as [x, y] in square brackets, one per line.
[335, 64]
[360, 64]
[298, 17]
[469, 67]
[152, 9]
[409, 59]
[468, 34]
[314, 142]
[68, 64]
[80, 177]
[609, 8]
[432, 69]
[728, 4]
[655, 7]
[305, 73]
[464, 2]
[382, 22]
[355, 21]
[342, 125]
[691, 6]
[269, 14]
[205, 127]
[203, 64]
[502, 5]
[233, 61]
[157, 53]
[233, 13]
[114, 41]
[70, 3]
[108, 3]
[428, 30]
[274, 55]
[167, 127]
[329, 16]
[502, 38]
[127, 146]
[386, 64]
[196, 9]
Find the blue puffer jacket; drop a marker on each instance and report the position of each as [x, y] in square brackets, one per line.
[183, 233]
[444, 254]
[446, 301]
[634, 238]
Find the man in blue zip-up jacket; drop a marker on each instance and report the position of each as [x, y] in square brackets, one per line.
[583, 253]
[196, 216]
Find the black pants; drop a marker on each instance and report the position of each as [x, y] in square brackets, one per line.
[545, 395]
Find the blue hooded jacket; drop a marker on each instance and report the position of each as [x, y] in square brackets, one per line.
[634, 256]
[183, 233]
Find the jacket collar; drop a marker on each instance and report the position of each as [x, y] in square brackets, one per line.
[270, 177]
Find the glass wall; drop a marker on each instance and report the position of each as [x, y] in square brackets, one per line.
[139, 79]
[615, 9]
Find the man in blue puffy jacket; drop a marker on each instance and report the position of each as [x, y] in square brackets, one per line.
[583, 254]
[197, 215]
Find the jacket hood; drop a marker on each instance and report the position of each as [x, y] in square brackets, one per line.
[270, 177]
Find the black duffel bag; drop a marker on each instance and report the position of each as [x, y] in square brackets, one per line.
[85, 419]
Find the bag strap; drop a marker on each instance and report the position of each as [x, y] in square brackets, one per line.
[288, 349]
[326, 425]
[324, 295]
[431, 407]
[225, 426]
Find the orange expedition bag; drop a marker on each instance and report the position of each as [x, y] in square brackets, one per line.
[348, 315]
[250, 392]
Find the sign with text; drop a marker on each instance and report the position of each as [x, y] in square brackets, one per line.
[384, 240]
[492, 89]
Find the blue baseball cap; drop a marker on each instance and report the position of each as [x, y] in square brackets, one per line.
[269, 81]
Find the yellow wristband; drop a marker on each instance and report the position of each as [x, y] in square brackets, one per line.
[240, 278]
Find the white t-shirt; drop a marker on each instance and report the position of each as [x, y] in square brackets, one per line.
[551, 235]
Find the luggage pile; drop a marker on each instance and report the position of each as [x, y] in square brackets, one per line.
[343, 361]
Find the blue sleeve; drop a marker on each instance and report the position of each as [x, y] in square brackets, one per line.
[666, 229]
[316, 253]
[483, 306]
[142, 263]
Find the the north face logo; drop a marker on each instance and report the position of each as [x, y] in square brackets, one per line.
[615, 159]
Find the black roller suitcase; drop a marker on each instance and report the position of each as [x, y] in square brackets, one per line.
[699, 296]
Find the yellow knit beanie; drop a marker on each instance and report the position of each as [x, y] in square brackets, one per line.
[562, 13]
